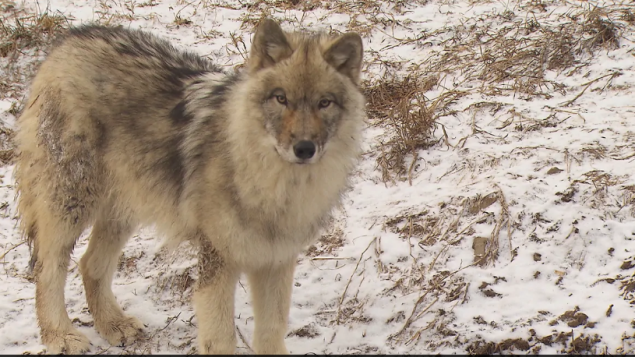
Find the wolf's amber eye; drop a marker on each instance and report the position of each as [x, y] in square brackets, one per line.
[324, 103]
[281, 99]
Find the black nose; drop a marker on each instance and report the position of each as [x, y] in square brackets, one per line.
[304, 149]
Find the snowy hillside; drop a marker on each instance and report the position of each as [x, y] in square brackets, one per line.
[493, 210]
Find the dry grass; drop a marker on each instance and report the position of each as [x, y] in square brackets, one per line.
[178, 284]
[455, 221]
[566, 342]
[435, 232]
[20, 32]
[327, 244]
[402, 106]
[497, 54]
[7, 153]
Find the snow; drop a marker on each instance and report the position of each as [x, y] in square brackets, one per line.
[358, 297]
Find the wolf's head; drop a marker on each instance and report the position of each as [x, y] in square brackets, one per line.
[307, 87]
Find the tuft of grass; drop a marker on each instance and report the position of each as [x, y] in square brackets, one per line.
[180, 21]
[400, 105]
[18, 33]
[7, 152]
[602, 31]
[327, 244]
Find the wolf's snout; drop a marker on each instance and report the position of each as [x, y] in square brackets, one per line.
[304, 149]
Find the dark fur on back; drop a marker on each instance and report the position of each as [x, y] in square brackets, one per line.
[158, 67]
[178, 63]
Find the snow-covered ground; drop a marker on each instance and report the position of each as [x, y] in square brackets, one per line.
[538, 180]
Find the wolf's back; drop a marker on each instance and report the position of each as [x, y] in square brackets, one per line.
[103, 100]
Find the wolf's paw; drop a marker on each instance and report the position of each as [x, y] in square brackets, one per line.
[216, 346]
[121, 332]
[70, 342]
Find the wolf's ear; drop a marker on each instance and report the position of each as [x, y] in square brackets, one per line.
[345, 54]
[269, 46]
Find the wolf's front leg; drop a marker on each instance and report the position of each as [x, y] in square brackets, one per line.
[214, 303]
[271, 294]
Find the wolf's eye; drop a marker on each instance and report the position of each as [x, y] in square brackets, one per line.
[324, 103]
[281, 99]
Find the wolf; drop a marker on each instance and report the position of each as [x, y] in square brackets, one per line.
[121, 130]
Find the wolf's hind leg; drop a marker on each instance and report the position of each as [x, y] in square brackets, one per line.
[108, 237]
[53, 248]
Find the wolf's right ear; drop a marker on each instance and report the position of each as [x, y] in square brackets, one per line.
[269, 46]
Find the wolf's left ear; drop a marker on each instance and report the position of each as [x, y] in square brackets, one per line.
[269, 46]
[345, 54]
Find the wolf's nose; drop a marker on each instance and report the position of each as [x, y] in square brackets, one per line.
[304, 149]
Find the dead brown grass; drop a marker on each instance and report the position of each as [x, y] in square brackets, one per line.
[327, 244]
[178, 285]
[401, 106]
[7, 153]
[566, 342]
[434, 232]
[601, 30]
[491, 55]
[20, 31]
